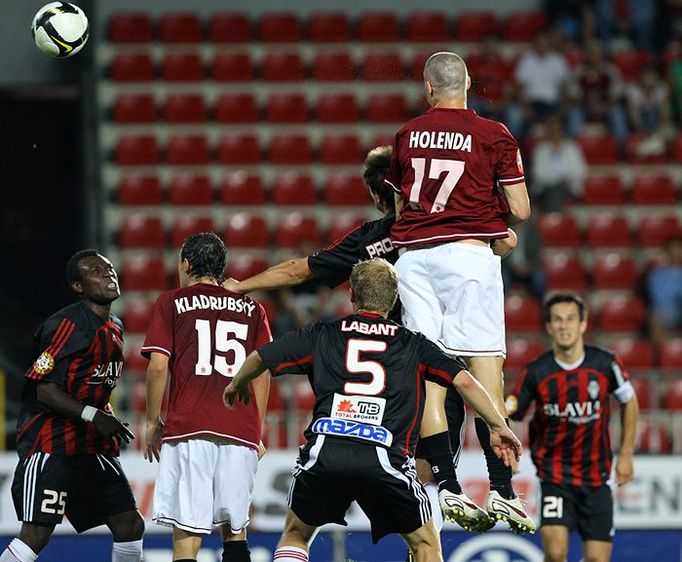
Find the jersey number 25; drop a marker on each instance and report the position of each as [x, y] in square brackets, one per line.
[213, 354]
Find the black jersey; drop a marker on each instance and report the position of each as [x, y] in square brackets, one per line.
[569, 432]
[368, 375]
[77, 350]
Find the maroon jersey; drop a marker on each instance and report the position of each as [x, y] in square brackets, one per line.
[207, 332]
[83, 354]
[569, 432]
[447, 164]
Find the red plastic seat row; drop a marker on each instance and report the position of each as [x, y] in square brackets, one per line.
[641, 354]
[646, 189]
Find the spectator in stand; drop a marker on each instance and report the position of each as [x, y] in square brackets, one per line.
[640, 13]
[664, 285]
[559, 169]
[649, 103]
[491, 77]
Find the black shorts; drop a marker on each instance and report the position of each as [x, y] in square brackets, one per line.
[456, 416]
[85, 488]
[587, 509]
[333, 472]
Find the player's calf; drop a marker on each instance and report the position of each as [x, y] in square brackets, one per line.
[424, 543]
[27, 546]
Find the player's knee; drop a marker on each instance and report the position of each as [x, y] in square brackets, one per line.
[556, 553]
[128, 526]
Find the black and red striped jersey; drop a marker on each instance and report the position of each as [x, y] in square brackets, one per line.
[569, 430]
[368, 376]
[77, 350]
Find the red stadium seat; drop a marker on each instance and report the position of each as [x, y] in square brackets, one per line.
[677, 149]
[524, 26]
[333, 67]
[337, 108]
[141, 231]
[240, 188]
[290, 149]
[236, 108]
[283, 67]
[329, 27]
[386, 108]
[382, 140]
[641, 386]
[342, 224]
[239, 149]
[232, 67]
[603, 190]
[344, 149]
[287, 108]
[559, 230]
[608, 230]
[345, 189]
[613, 271]
[144, 273]
[292, 188]
[135, 27]
[520, 352]
[134, 108]
[279, 28]
[179, 28]
[622, 314]
[243, 267]
[670, 354]
[295, 229]
[304, 399]
[630, 63]
[135, 363]
[276, 402]
[474, 26]
[564, 272]
[188, 189]
[672, 400]
[653, 190]
[246, 231]
[229, 28]
[599, 149]
[184, 108]
[187, 150]
[139, 190]
[417, 71]
[657, 230]
[653, 438]
[383, 67]
[522, 314]
[640, 149]
[137, 150]
[635, 354]
[132, 67]
[182, 67]
[136, 315]
[186, 225]
[426, 27]
[378, 27]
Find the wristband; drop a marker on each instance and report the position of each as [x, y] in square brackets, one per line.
[88, 413]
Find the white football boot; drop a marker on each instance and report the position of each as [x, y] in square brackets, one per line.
[510, 511]
[460, 509]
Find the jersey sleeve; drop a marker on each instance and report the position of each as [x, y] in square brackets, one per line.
[438, 367]
[263, 333]
[620, 385]
[507, 159]
[521, 398]
[394, 174]
[333, 265]
[58, 340]
[291, 354]
[159, 336]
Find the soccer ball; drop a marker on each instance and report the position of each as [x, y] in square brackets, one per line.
[60, 29]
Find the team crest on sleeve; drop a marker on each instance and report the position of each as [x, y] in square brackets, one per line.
[512, 404]
[519, 161]
[44, 364]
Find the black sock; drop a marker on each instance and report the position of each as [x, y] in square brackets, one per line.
[185, 560]
[456, 414]
[236, 551]
[500, 475]
[436, 448]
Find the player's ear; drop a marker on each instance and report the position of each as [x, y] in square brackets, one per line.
[468, 82]
[185, 266]
[77, 288]
[352, 295]
[583, 325]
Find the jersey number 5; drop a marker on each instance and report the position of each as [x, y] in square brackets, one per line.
[207, 360]
[356, 365]
[453, 172]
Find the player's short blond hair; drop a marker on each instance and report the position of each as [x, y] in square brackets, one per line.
[447, 73]
[375, 285]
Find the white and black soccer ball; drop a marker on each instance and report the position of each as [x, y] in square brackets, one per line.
[60, 29]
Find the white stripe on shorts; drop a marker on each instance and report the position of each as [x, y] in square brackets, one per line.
[312, 459]
[30, 485]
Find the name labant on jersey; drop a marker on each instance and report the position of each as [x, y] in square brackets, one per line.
[368, 329]
[379, 248]
[447, 140]
[109, 373]
[576, 412]
[204, 302]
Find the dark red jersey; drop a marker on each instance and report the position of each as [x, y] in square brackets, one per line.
[77, 350]
[448, 165]
[207, 332]
[569, 431]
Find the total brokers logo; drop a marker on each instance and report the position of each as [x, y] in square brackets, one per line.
[500, 547]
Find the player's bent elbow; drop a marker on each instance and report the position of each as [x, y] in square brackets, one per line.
[298, 270]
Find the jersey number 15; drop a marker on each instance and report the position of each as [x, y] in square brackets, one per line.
[212, 352]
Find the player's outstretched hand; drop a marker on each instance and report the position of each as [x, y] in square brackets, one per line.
[505, 445]
[152, 440]
[231, 285]
[233, 391]
[110, 426]
[624, 468]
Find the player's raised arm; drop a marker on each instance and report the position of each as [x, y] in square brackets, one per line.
[288, 273]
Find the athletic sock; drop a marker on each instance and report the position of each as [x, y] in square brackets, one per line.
[290, 554]
[436, 448]
[236, 551]
[499, 474]
[436, 513]
[127, 551]
[18, 551]
[185, 560]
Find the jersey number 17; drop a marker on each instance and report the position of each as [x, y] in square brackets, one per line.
[454, 169]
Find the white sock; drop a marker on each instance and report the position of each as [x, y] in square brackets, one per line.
[130, 551]
[290, 554]
[437, 515]
[18, 551]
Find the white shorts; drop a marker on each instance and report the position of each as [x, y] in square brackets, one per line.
[204, 483]
[453, 294]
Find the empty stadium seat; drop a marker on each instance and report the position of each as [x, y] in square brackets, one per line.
[229, 28]
[564, 272]
[599, 149]
[132, 67]
[133, 27]
[608, 230]
[283, 67]
[636, 354]
[653, 438]
[292, 188]
[240, 188]
[630, 63]
[474, 26]
[137, 150]
[190, 189]
[524, 26]
[295, 228]
[522, 314]
[657, 230]
[670, 354]
[641, 148]
[287, 108]
[558, 229]
[135, 363]
[304, 398]
[603, 190]
[279, 28]
[329, 27]
[345, 189]
[382, 67]
[141, 231]
[333, 67]
[136, 315]
[614, 271]
[242, 267]
[232, 67]
[290, 149]
[342, 224]
[187, 150]
[236, 108]
[653, 190]
[378, 27]
[179, 28]
[182, 67]
[184, 108]
[677, 149]
[239, 149]
[337, 108]
[185, 225]
[134, 108]
[521, 351]
[143, 273]
[417, 72]
[672, 400]
[386, 108]
[276, 402]
[139, 190]
[641, 386]
[426, 27]
[342, 149]
[622, 314]
[246, 231]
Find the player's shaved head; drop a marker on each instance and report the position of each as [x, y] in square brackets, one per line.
[447, 74]
[375, 285]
